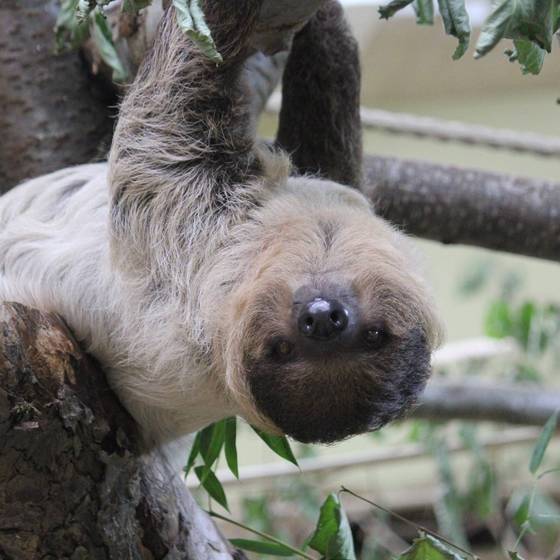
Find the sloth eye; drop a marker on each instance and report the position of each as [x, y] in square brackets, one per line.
[282, 349]
[376, 336]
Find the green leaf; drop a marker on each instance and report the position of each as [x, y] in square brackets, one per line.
[528, 20]
[212, 485]
[542, 443]
[499, 321]
[190, 18]
[390, 9]
[262, 547]
[231, 445]
[448, 505]
[134, 6]
[332, 537]
[456, 23]
[514, 555]
[70, 32]
[212, 441]
[526, 316]
[476, 276]
[529, 55]
[522, 514]
[104, 40]
[278, 444]
[85, 8]
[427, 547]
[424, 11]
[195, 450]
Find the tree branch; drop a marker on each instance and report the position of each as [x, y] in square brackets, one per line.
[511, 404]
[73, 479]
[454, 205]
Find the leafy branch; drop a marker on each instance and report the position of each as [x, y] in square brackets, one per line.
[531, 25]
[79, 20]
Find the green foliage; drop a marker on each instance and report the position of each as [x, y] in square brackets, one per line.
[332, 537]
[529, 20]
[134, 6]
[101, 34]
[424, 11]
[390, 9]
[231, 445]
[476, 277]
[262, 547]
[209, 481]
[211, 442]
[191, 20]
[499, 320]
[449, 505]
[529, 56]
[456, 23]
[531, 25]
[427, 547]
[70, 31]
[80, 19]
[542, 443]
[480, 495]
[534, 326]
[220, 437]
[278, 444]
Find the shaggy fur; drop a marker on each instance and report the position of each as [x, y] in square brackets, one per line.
[178, 264]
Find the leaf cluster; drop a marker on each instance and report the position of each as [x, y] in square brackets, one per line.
[79, 20]
[222, 436]
[531, 25]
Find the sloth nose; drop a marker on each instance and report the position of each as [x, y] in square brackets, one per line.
[323, 319]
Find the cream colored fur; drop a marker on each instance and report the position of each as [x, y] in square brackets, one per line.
[167, 262]
[163, 356]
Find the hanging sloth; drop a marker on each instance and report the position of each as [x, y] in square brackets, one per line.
[208, 274]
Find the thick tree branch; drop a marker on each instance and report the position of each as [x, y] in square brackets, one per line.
[510, 404]
[73, 482]
[52, 114]
[454, 205]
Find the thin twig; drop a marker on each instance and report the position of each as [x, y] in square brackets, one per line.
[266, 536]
[410, 523]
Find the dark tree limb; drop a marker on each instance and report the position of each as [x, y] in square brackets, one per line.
[73, 483]
[455, 205]
[479, 402]
[52, 114]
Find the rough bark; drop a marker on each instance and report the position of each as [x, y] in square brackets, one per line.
[53, 115]
[73, 483]
[454, 205]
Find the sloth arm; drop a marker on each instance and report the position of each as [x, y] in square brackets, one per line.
[320, 123]
[183, 148]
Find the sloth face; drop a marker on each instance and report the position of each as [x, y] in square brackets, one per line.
[333, 326]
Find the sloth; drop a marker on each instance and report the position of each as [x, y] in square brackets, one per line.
[212, 277]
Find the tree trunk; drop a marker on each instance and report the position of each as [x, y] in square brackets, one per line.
[53, 115]
[73, 483]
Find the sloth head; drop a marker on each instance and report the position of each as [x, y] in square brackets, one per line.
[329, 330]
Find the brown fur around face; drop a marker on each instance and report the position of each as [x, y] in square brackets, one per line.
[318, 241]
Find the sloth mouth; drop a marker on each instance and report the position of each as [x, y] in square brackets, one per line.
[330, 400]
